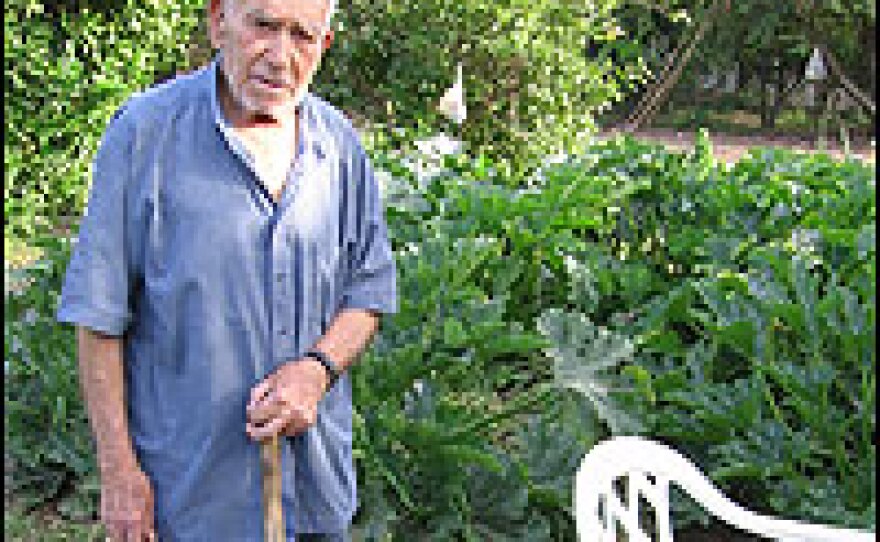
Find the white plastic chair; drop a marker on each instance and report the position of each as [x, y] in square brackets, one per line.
[649, 468]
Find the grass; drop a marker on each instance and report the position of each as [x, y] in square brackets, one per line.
[20, 526]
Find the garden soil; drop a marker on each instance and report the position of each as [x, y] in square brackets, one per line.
[730, 148]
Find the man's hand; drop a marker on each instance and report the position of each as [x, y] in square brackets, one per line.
[126, 492]
[127, 505]
[286, 401]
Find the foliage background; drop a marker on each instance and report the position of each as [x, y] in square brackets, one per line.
[724, 309]
[767, 46]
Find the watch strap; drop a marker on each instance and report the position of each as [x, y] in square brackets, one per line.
[331, 367]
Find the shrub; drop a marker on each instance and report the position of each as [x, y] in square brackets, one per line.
[68, 70]
[71, 65]
[726, 310]
[531, 83]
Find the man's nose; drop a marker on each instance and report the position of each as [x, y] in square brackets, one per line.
[281, 49]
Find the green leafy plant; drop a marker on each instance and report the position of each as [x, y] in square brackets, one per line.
[49, 448]
[723, 309]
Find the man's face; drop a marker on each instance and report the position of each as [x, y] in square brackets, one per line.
[271, 50]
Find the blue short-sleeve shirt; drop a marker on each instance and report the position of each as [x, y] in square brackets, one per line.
[213, 285]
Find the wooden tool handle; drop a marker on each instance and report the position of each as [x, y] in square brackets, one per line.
[273, 519]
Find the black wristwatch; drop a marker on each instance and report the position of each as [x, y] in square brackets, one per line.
[330, 366]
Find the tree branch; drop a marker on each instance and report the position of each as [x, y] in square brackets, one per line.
[834, 66]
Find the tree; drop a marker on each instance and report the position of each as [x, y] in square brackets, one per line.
[530, 86]
[770, 42]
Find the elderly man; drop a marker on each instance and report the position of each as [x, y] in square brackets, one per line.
[233, 262]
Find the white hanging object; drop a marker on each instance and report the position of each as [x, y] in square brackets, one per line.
[452, 103]
[816, 70]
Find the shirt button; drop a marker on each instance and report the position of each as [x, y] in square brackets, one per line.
[283, 332]
[279, 277]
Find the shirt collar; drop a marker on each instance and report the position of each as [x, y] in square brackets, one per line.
[309, 127]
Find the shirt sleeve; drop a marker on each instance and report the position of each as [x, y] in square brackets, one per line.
[95, 291]
[372, 281]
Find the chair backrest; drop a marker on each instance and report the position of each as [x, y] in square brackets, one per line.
[646, 469]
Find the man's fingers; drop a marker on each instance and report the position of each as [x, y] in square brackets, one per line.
[133, 526]
[291, 430]
[291, 421]
[115, 531]
[137, 530]
[150, 519]
[298, 422]
[148, 523]
[260, 391]
[266, 404]
[265, 421]
[264, 411]
[126, 531]
[270, 429]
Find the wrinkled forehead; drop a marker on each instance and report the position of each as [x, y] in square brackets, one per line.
[311, 12]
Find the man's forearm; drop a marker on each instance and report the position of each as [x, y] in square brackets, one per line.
[348, 336]
[102, 380]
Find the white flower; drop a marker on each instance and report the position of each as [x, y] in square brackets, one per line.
[795, 188]
[438, 146]
[553, 159]
[484, 240]
[412, 248]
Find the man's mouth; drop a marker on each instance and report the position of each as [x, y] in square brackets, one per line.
[273, 85]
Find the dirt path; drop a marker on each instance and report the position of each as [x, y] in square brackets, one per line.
[731, 147]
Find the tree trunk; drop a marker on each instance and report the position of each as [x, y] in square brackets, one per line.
[778, 94]
[836, 70]
[765, 100]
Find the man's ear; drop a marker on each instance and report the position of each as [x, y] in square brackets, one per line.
[216, 23]
[328, 39]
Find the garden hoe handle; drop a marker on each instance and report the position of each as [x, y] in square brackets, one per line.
[270, 459]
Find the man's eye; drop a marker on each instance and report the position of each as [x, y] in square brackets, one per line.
[301, 35]
[264, 24]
